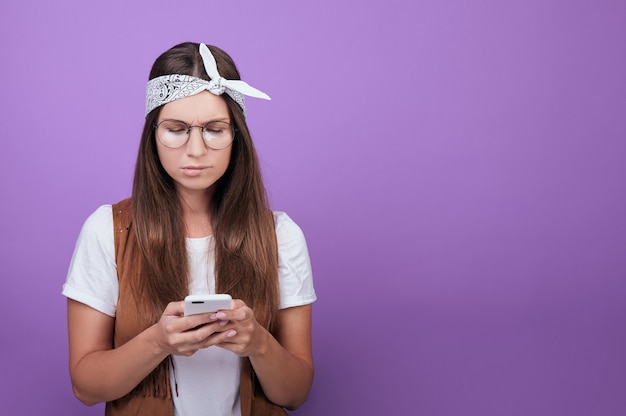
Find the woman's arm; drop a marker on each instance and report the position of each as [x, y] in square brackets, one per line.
[284, 365]
[102, 373]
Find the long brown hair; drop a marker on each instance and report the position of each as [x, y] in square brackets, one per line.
[246, 253]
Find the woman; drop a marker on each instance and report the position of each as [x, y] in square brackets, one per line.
[198, 222]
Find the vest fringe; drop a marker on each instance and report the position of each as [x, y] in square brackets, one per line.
[156, 384]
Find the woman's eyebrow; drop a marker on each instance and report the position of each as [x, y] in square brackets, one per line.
[223, 119]
[202, 123]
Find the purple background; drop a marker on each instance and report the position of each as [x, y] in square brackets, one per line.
[458, 168]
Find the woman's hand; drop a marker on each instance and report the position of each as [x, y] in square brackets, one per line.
[177, 334]
[242, 334]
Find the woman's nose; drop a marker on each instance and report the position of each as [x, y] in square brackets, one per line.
[195, 144]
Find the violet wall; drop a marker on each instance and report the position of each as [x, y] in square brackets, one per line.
[458, 168]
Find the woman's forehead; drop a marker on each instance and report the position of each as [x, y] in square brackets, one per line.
[198, 108]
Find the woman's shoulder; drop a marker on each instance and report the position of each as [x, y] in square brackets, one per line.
[98, 227]
[285, 226]
[289, 235]
[101, 217]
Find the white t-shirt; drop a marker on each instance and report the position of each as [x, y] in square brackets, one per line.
[92, 280]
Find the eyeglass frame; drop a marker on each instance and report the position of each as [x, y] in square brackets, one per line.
[233, 129]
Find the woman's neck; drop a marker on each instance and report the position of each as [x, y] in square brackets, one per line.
[196, 214]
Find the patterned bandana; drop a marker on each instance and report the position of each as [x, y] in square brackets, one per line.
[161, 90]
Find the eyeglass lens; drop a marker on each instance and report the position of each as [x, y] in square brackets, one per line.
[175, 133]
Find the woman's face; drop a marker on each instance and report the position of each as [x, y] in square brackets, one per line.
[194, 166]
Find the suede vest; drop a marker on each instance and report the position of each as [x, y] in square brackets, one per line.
[153, 396]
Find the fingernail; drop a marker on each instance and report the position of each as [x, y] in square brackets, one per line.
[222, 323]
[214, 317]
[220, 315]
[231, 333]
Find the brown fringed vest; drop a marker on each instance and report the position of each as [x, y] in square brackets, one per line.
[153, 395]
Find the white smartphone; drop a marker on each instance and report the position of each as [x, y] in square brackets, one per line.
[195, 304]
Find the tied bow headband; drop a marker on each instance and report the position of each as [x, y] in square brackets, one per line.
[164, 89]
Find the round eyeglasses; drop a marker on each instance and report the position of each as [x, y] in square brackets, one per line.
[217, 135]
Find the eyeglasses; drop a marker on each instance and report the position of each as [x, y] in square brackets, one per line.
[217, 135]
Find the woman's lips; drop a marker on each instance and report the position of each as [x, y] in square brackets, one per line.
[193, 170]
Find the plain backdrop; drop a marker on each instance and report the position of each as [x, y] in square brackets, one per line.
[457, 166]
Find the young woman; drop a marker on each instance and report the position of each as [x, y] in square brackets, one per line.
[198, 222]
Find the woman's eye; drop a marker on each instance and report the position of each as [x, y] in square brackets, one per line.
[216, 128]
[175, 128]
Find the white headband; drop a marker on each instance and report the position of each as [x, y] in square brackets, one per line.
[161, 90]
